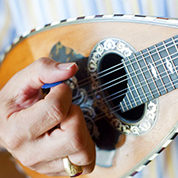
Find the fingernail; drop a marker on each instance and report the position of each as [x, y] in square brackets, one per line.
[66, 66]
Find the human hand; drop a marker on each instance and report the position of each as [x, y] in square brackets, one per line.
[28, 121]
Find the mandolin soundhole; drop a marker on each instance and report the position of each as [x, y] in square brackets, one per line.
[113, 81]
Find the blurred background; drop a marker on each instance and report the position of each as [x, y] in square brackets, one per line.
[20, 16]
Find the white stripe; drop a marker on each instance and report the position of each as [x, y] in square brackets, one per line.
[39, 28]
[171, 8]
[144, 4]
[140, 168]
[26, 33]
[16, 40]
[55, 23]
[71, 19]
[128, 16]
[37, 10]
[8, 48]
[108, 16]
[153, 156]
[128, 7]
[17, 22]
[172, 21]
[87, 8]
[47, 8]
[160, 160]
[90, 17]
[3, 16]
[2, 57]
[25, 19]
[176, 131]
[100, 7]
[158, 7]
[72, 8]
[174, 156]
[149, 18]
[166, 143]
[116, 6]
[61, 10]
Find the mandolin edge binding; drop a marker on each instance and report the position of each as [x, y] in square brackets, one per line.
[172, 22]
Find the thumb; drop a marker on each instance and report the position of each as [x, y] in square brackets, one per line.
[24, 86]
[45, 70]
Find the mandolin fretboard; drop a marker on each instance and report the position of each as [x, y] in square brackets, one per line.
[151, 73]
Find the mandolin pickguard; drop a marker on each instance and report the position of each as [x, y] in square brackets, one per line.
[104, 135]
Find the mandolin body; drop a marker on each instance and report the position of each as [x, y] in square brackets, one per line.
[130, 152]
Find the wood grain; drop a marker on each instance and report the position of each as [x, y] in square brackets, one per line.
[82, 38]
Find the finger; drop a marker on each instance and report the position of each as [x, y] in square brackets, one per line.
[85, 156]
[45, 70]
[22, 90]
[56, 168]
[61, 142]
[34, 121]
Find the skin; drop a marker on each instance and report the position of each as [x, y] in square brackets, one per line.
[27, 120]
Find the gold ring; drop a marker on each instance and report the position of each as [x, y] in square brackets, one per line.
[71, 169]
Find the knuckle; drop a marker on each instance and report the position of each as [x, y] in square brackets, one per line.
[12, 141]
[41, 63]
[44, 61]
[55, 113]
[78, 142]
[28, 160]
[80, 132]
[28, 163]
[87, 159]
[90, 169]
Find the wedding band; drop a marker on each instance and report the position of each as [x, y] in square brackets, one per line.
[71, 169]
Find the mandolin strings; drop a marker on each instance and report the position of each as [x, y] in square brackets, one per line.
[126, 75]
[117, 108]
[131, 58]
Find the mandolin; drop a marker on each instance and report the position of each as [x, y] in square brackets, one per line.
[126, 83]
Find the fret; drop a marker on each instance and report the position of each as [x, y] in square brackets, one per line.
[135, 68]
[161, 50]
[129, 100]
[126, 104]
[131, 83]
[150, 73]
[175, 56]
[175, 60]
[141, 76]
[155, 58]
[167, 52]
[168, 65]
[130, 95]
[122, 106]
[161, 69]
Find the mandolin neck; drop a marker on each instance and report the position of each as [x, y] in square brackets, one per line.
[151, 73]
